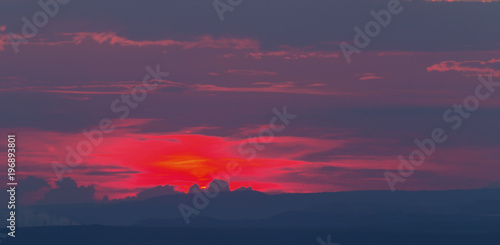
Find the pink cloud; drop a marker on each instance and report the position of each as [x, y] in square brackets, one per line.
[252, 72]
[275, 88]
[199, 42]
[399, 53]
[369, 77]
[90, 88]
[112, 38]
[469, 67]
[293, 54]
[317, 85]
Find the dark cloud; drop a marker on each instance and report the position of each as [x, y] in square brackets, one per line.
[220, 185]
[31, 184]
[31, 189]
[215, 185]
[244, 189]
[194, 189]
[157, 191]
[68, 192]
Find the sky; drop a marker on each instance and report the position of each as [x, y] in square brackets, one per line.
[226, 80]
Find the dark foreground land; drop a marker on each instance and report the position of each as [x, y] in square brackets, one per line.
[97, 235]
[251, 218]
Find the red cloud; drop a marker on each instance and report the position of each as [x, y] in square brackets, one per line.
[128, 160]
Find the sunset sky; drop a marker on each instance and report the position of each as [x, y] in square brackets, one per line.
[225, 78]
